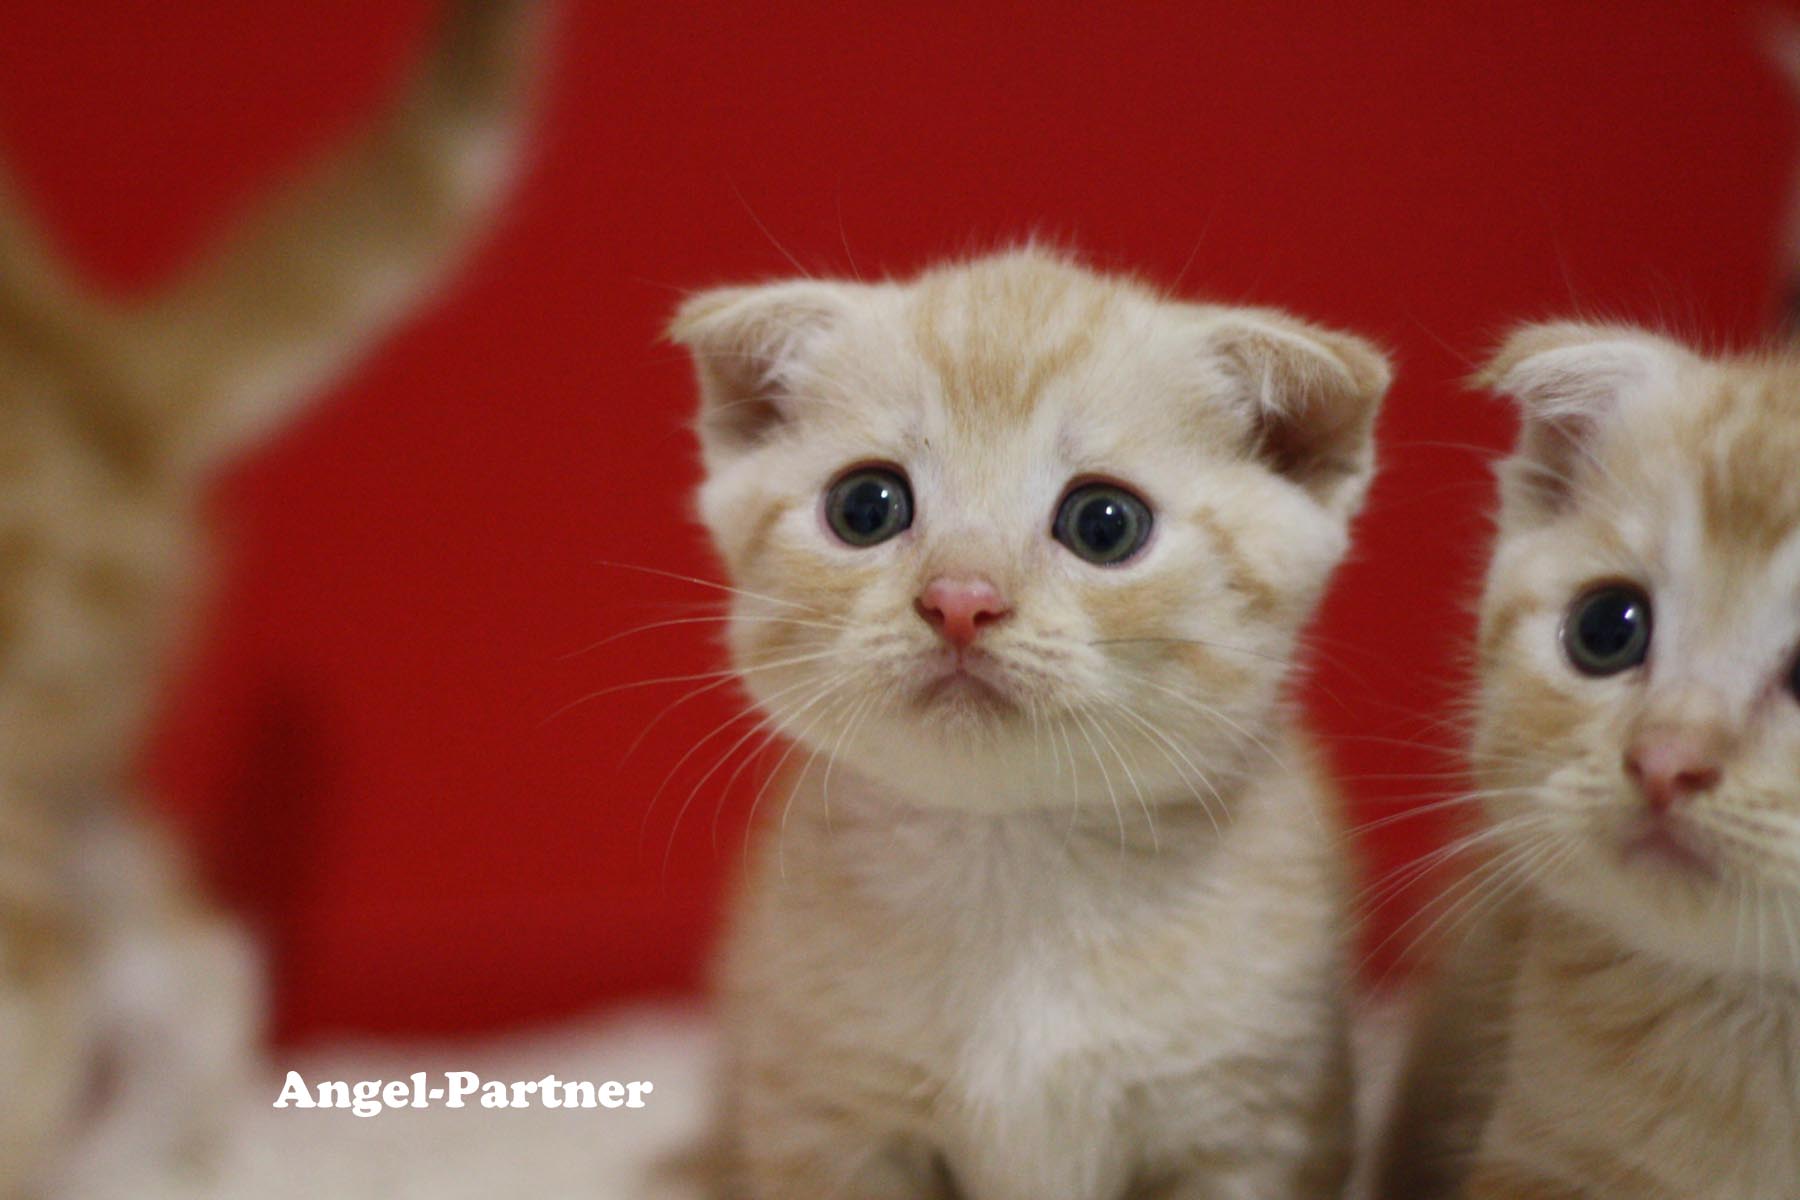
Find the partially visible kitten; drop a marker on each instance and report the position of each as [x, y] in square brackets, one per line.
[126, 1006]
[1053, 910]
[1627, 1021]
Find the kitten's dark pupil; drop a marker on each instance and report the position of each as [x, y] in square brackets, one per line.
[1608, 630]
[867, 506]
[1103, 524]
[1608, 625]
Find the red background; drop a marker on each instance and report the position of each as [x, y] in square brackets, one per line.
[364, 738]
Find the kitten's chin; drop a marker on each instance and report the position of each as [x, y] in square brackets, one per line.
[1665, 894]
[1659, 847]
[966, 690]
[962, 696]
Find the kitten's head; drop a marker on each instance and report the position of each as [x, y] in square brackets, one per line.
[1639, 723]
[1018, 534]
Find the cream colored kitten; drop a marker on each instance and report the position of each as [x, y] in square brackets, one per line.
[1053, 908]
[126, 1005]
[1627, 1024]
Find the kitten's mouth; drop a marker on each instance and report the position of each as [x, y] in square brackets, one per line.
[1662, 845]
[964, 682]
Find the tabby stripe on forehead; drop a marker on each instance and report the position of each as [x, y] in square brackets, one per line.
[757, 540]
[1750, 489]
[998, 372]
[1498, 628]
[1261, 597]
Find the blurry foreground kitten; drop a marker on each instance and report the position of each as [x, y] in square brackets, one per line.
[1053, 909]
[1626, 1020]
[126, 1006]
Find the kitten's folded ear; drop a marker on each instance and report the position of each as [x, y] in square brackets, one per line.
[1314, 396]
[1567, 378]
[749, 344]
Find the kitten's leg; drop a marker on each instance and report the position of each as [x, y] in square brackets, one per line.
[178, 1021]
[175, 999]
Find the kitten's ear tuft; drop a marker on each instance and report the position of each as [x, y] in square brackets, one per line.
[747, 344]
[1566, 378]
[1314, 395]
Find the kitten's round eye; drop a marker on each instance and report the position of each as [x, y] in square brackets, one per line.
[869, 506]
[1103, 523]
[1607, 629]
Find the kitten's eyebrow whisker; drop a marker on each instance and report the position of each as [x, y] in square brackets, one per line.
[815, 401]
[844, 237]
[751, 212]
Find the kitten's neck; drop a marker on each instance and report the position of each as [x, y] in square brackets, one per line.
[1585, 955]
[1034, 868]
[1119, 822]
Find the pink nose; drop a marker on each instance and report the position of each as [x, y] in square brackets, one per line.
[1671, 766]
[959, 608]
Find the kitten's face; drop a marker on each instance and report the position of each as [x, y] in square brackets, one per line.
[1011, 535]
[1639, 719]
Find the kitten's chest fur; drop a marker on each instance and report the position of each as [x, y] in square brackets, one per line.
[1685, 1083]
[1054, 1004]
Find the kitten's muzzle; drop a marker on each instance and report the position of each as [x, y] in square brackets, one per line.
[1670, 765]
[959, 608]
